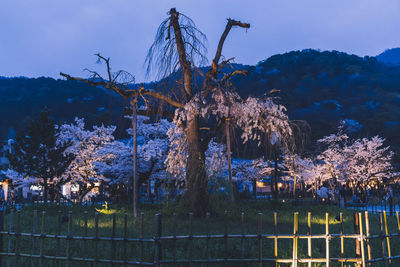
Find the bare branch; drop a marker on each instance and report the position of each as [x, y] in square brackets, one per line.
[151, 112]
[231, 23]
[233, 73]
[126, 93]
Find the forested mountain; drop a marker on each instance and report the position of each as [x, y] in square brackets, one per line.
[390, 56]
[319, 87]
[23, 99]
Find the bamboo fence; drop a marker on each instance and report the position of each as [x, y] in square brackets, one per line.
[159, 243]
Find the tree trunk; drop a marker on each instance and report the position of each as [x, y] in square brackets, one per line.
[294, 186]
[228, 151]
[134, 177]
[46, 189]
[275, 175]
[196, 177]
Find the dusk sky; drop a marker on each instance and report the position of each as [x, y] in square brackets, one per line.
[44, 37]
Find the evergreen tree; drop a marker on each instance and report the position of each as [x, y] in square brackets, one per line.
[37, 153]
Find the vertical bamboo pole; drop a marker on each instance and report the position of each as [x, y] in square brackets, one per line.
[387, 238]
[85, 230]
[228, 152]
[141, 236]
[174, 234]
[327, 239]
[135, 179]
[398, 221]
[384, 251]
[190, 238]
[42, 238]
[124, 250]
[2, 213]
[96, 236]
[34, 229]
[112, 248]
[157, 241]
[295, 238]
[309, 252]
[208, 239]
[242, 239]
[10, 239]
[357, 232]
[68, 252]
[226, 237]
[260, 239]
[276, 236]
[361, 240]
[368, 234]
[341, 237]
[18, 230]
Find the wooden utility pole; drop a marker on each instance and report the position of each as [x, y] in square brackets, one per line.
[134, 136]
[228, 151]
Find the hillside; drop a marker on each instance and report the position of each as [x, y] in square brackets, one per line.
[326, 87]
[390, 56]
[320, 87]
[23, 99]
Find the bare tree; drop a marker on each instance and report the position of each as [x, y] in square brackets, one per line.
[179, 45]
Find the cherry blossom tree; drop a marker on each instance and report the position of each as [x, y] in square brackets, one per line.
[86, 146]
[356, 162]
[152, 151]
[333, 157]
[368, 159]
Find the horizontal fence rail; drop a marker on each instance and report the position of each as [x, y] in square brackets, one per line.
[18, 247]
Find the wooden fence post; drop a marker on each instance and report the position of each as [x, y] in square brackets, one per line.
[357, 232]
[2, 211]
[125, 234]
[69, 235]
[174, 234]
[368, 234]
[260, 239]
[42, 235]
[34, 229]
[242, 239]
[361, 240]
[295, 238]
[17, 231]
[112, 243]
[341, 237]
[387, 239]
[85, 232]
[141, 235]
[191, 238]
[208, 239]
[157, 241]
[276, 236]
[309, 239]
[384, 251]
[327, 239]
[10, 236]
[96, 236]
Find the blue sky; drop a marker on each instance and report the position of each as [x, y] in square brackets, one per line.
[44, 37]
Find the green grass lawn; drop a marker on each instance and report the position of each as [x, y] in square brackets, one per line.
[180, 223]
